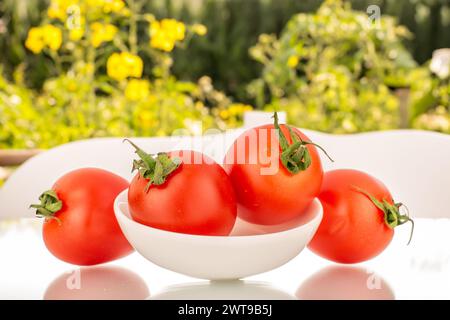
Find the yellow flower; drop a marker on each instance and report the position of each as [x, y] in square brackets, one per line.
[113, 6]
[199, 29]
[292, 62]
[165, 33]
[63, 9]
[102, 33]
[123, 65]
[52, 37]
[114, 67]
[137, 89]
[35, 41]
[224, 114]
[58, 9]
[236, 109]
[76, 34]
[134, 63]
[95, 3]
[174, 29]
[44, 36]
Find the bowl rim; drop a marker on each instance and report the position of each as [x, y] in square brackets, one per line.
[118, 212]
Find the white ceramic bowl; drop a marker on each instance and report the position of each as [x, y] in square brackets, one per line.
[249, 250]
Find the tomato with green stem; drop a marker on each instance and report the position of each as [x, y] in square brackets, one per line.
[80, 226]
[359, 217]
[276, 173]
[182, 191]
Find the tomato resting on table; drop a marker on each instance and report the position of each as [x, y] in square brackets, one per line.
[80, 226]
[276, 172]
[359, 217]
[182, 191]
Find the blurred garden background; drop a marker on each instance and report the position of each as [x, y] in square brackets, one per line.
[75, 69]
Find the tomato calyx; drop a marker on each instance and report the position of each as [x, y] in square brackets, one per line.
[392, 215]
[295, 157]
[49, 206]
[154, 168]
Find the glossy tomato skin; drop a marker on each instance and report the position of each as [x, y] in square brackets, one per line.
[197, 198]
[353, 228]
[87, 232]
[275, 198]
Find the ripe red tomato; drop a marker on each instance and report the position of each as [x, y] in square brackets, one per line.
[359, 217]
[275, 176]
[190, 194]
[80, 226]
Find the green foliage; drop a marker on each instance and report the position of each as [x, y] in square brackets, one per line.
[331, 71]
[429, 101]
[16, 18]
[61, 112]
[100, 85]
[224, 50]
[18, 123]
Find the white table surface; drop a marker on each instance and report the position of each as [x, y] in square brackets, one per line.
[418, 271]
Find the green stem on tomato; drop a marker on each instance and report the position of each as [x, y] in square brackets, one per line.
[295, 157]
[392, 216]
[154, 168]
[49, 206]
